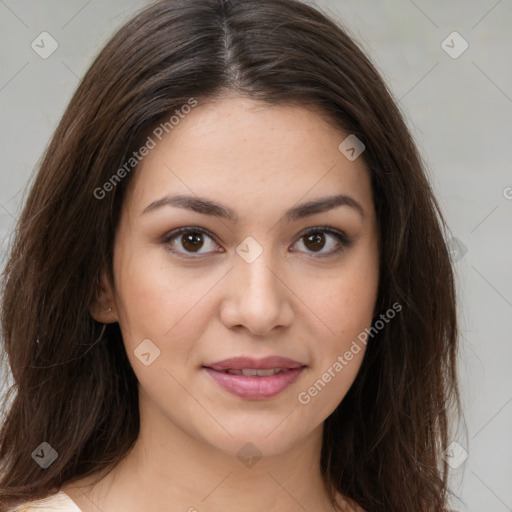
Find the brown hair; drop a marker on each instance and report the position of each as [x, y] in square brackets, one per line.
[73, 385]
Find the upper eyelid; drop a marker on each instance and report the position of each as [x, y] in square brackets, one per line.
[206, 231]
[344, 238]
[175, 232]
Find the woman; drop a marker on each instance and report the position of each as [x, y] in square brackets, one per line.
[229, 287]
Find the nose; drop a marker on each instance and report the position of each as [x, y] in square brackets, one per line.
[259, 298]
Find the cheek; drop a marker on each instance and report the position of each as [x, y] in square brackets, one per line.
[346, 306]
[154, 301]
[347, 310]
[346, 301]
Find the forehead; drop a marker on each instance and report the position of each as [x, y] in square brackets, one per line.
[247, 154]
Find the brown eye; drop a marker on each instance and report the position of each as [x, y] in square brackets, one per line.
[192, 241]
[315, 241]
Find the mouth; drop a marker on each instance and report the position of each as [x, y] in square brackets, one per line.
[253, 372]
[255, 379]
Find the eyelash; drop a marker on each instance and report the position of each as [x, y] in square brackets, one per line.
[343, 240]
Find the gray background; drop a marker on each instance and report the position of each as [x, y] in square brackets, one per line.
[460, 112]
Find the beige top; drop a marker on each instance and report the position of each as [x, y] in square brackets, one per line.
[59, 502]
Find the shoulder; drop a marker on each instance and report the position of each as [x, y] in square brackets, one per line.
[59, 502]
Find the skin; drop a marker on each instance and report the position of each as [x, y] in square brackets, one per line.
[260, 161]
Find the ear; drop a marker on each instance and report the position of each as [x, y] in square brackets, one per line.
[103, 307]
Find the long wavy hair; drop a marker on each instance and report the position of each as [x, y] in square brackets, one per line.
[73, 386]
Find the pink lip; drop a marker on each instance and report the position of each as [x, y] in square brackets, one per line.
[254, 387]
[239, 363]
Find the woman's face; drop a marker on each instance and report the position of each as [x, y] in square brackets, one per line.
[244, 279]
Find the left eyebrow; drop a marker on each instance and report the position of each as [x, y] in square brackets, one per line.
[323, 204]
[209, 207]
[197, 204]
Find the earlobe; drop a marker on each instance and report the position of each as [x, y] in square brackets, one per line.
[103, 309]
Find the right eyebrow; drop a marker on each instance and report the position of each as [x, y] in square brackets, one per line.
[209, 207]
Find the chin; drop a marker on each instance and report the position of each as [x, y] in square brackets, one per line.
[272, 435]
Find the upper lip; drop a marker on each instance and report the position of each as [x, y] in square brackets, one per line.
[243, 362]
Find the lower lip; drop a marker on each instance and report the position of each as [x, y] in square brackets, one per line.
[254, 387]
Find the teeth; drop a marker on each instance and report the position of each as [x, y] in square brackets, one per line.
[253, 372]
